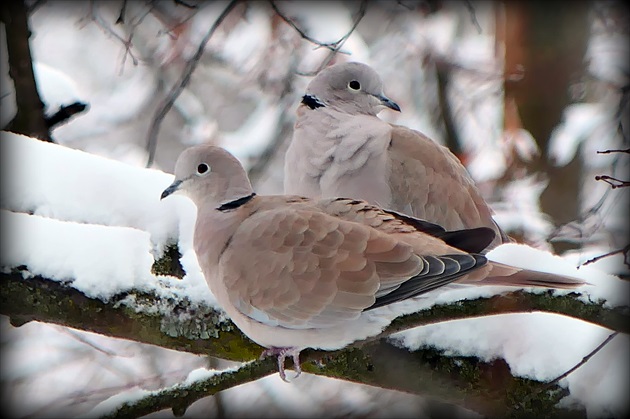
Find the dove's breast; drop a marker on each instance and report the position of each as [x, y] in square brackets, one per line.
[339, 156]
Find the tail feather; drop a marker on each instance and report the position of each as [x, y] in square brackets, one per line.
[510, 276]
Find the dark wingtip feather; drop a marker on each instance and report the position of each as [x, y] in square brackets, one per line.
[442, 270]
[472, 240]
[421, 225]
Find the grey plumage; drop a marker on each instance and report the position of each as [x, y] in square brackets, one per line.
[340, 148]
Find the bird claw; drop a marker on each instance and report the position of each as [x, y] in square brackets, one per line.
[282, 354]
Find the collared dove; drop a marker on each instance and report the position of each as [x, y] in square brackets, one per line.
[341, 148]
[295, 272]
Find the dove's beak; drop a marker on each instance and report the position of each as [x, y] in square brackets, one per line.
[387, 102]
[171, 189]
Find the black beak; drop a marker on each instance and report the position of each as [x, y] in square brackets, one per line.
[171, 189]
[389, 103]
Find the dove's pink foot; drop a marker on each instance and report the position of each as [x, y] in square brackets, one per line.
[282, 354]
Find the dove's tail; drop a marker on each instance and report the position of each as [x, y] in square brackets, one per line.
[502, 274]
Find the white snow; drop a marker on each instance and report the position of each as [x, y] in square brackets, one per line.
[72, 185]
[100, 260]
[581, 121]
[94, 220]
[540, 346]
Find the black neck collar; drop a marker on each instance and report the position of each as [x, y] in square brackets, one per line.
[236, 203]
[312, 102]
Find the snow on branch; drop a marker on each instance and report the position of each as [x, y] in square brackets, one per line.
[80, 256]
[183, 326]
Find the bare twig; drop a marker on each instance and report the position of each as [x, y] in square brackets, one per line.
[627, 150]
[473, 16]
[64, 114]
[98, 21]
[581, 224]
[121, 16]
[334, 47]
[183, 3]
[83, 339]
[169, 100]
[570, 371]
[584, 360]
[613, 182]
[625, 251]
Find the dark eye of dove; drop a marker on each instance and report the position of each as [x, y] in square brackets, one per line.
[202, 169]
[354, 85]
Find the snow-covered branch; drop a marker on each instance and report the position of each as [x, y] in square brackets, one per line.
[181, 325]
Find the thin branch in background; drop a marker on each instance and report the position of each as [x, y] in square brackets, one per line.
[100, 23]
[171, 24]
[169, 100]
[627, 150]
[334, 47]
[613, 182]
[623, 101]
[406, 6]
[473, 16]
[567, 373]
[64, 114]
[583, 217]
[121, 16]
[183, 3]
[625, 251]
[34, 6]
[107, 29]
[81, 338]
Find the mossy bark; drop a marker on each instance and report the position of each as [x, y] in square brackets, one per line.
[199, 329]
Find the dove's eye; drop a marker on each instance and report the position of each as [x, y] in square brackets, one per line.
[202, 169]
[354, 85]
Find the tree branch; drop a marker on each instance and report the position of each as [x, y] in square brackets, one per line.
[201, 329]
[613, 182]
[460, 380]
[625, 251]
[167, 103]
[334, 47]
[64, 113]
[29, 119]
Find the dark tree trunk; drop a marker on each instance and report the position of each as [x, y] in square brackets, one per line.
[548, 39]
[29, 119]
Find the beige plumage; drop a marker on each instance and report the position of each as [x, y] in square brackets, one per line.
[341, 148]
[294, 272]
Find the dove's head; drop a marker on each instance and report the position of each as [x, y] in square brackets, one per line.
[352, 88]
[209, 175]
